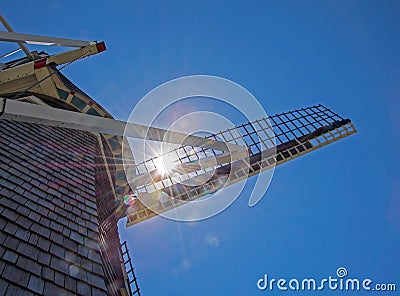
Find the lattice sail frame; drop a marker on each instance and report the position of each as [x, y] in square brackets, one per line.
[270, 141]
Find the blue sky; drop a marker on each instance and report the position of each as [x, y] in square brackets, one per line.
[338, 206]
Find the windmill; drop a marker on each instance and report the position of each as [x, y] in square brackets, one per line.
[34, 94]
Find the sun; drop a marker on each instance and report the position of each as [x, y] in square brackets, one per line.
[164, 164]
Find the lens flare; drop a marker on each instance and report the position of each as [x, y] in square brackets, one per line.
[130, 199]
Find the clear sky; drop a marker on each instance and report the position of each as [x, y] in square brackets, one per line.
[338, 206]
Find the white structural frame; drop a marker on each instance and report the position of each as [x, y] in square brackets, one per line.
[40, 40]
[26, 112]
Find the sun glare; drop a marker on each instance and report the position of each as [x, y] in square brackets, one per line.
[164, 164]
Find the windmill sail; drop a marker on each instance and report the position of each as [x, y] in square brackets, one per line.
[295, 133]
